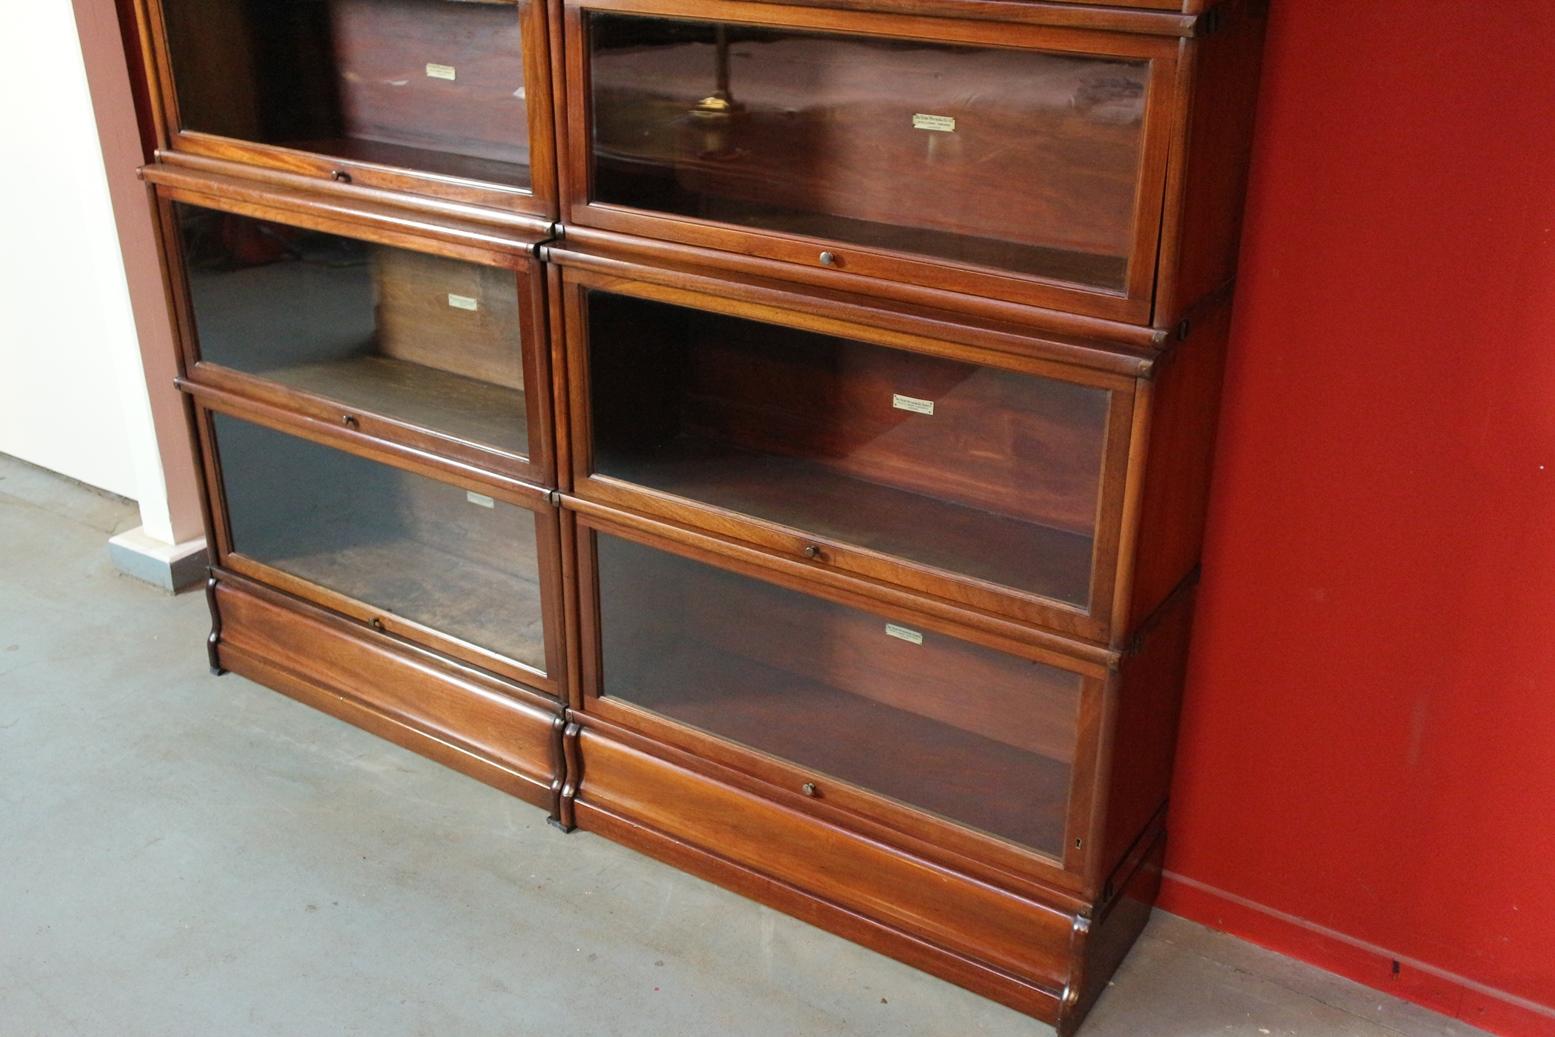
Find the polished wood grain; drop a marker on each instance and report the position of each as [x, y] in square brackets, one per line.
[1023, 938]
[1203, 219]
[448, 559]
[593, 202]
[730, 413]
[1015, 160]
[433, 349]
[684, 647]
[550, 676]
[853, 647]
[495, 731]
[435, 98]
[932, 723]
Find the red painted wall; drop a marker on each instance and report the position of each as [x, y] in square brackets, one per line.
[1369, 737]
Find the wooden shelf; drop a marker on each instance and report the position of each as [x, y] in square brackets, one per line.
[482, 604]
[973, 780]
[421, 160]
[1054, 264]
[812, 498]
[438, 401]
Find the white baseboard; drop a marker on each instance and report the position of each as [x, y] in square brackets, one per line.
[169, 566]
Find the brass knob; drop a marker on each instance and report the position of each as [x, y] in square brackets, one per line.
[809, 789]
[812, 551]
[377, 624]
[350, 421]
[340, 176]
[828, 259]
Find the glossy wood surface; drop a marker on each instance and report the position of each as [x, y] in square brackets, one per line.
[432, 342]
[333, 311]
[905, 713]
[498, 732]
[450, 559]
[442, 98]
[911, 676]
[662, 143]
[625, 782]
[1017, 160]
[428, 85]
[963, 468]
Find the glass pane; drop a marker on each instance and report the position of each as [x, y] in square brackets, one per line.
[458, 562]
[975, 470]
[1015, 159]
[979, 737]
[429, 85]
[430, 341]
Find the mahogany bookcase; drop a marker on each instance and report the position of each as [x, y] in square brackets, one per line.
[774, 436]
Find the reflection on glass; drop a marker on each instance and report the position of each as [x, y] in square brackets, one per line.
[429, 341]
[970, 469]
[458, 562]
[1013, 159]
[435, 86]
[979, 737]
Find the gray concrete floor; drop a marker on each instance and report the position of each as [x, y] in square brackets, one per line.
[186, 855]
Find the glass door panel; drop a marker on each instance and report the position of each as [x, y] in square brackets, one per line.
[976, 736]
[431, 342]
[435, 86]
[458, 562]
[976, 471]
[1013, 159]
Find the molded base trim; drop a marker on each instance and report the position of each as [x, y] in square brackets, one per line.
[1355, 959]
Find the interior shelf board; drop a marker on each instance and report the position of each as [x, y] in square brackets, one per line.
[1000, 789]
[816, 499]
[492, 608]
[439, 401]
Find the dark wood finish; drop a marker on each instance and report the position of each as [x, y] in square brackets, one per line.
[1008, 501]
[1002, 944]
[405, 531]
[492, 730]
[870, 250]
[1203, 218]
[724, 534]
[812, 648]
[443, 99]
[383, 346]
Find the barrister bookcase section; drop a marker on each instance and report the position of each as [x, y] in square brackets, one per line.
[429, 341]
[774, 436]
[438, 91]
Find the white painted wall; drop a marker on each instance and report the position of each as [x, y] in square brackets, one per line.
[72, 390]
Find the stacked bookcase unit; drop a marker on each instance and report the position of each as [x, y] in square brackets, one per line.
[772, 436]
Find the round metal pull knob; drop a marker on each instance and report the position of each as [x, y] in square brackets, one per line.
[377, 624]
[809, 789]
[812, 551]
[828, 259]
[340, 176]
[350, 421]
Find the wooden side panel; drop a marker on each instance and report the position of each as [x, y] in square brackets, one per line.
[499, 733]
[1203, 224]
[1185, 413]
[1144, 733]
[1002, 945]
[1105, 941]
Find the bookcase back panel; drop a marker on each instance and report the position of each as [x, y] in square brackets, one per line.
[435, 86]
[982, 738]
[458, 562]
